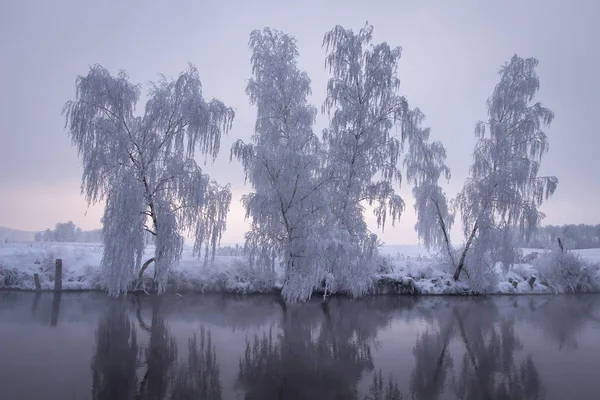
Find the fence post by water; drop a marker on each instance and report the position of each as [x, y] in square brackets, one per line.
[58, 276]
[38, 285]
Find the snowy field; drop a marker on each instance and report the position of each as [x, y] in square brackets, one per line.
[408, 269]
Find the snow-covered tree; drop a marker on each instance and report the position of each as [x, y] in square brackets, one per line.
[66, 232]
[283, 165]
[425, 164]
[62, 232]
[144, 168]
[365, 106]
[504, 189]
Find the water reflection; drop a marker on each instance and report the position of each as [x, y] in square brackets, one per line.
[562, 318]
[315, 354]
[55, 308]
[115, 361]
[198, 378]
[488, 369]
[119, 358]
[377, 348]
[433, 361]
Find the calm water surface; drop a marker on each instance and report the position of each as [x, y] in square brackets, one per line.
[85, 346]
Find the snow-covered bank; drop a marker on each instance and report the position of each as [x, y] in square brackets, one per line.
[81, 268]
[409, 270]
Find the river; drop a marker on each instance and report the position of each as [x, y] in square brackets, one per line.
[87, 346]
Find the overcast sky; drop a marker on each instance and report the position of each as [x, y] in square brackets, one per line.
[452, 51]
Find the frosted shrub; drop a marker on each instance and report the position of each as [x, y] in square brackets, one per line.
[48, 263]
[12, 277]
[385, 264]
[522, 271]
[529, 258]
[444, 260]
[480, 270]
[566, 271]
[8, 277]
[244, 278]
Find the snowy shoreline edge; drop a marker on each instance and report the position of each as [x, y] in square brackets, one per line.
[408, 271]
[383, 285]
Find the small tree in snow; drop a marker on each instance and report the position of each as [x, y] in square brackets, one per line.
[364, 104]
[144, 168]
[283, 165]
[504, 189]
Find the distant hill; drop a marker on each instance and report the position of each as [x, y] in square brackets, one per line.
[14, 235]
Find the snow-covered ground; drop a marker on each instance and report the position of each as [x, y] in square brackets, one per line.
[410, 269]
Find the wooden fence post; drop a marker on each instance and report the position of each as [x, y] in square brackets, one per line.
[58, 276]
[38, 285]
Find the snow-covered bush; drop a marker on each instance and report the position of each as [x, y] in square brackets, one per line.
[243, 278]
[522, 270]
[566, 271]
[529, 258]
[385, 264]
[8, 277]
[444, 260]
[480, 269]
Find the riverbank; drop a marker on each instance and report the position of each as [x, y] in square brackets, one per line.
[408, 270]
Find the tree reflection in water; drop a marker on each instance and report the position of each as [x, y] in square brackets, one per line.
[315, 358]
[467, 349]
[488, 368]
[161, 356]
[198, 378]
[432, 360]
[115, 360]
[119, 356]
[561, 318]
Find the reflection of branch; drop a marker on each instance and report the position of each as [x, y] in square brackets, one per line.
[138, 314]
[325, 309]
[440, 360]
[279, 300]
[463, 335]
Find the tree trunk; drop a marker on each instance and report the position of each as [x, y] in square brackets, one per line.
[141, 272]
[461, 263]
[445, 232]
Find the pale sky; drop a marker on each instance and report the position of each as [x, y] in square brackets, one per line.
[452, 51]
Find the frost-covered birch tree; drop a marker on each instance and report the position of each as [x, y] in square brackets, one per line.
[425, 164]
[144, 168]
[283, 165]
[504, 189]
[365, 106]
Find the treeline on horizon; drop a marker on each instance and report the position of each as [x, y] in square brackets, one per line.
[581, 236]
[65, 232]
[574, 236]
